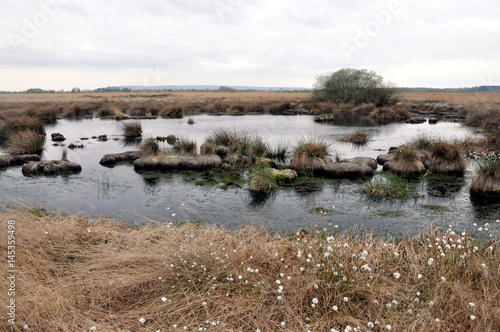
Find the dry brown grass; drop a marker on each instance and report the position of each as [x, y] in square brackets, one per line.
[25, 142]
[467, 99]
[387, 115]
[75, 273]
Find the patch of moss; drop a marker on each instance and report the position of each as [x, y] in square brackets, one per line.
[432, 207]
[390, 213]
[207, 182]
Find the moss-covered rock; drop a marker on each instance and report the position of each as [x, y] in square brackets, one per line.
[284, 176]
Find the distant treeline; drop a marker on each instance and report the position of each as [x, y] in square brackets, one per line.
[483, 88]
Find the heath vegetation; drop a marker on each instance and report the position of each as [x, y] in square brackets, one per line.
[86, 274]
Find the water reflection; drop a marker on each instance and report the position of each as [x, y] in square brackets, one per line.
[485, 208]
[308, 188]
[131, 142]
[103, 186]
[259, 199]
[151, 185]
[448, 186]
[350, 119]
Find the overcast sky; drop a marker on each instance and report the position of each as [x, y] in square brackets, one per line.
[60, 44]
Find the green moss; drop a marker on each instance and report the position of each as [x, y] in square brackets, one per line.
[208, 182]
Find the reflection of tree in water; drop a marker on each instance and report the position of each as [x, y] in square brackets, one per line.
[258, 199]
[151, 185]
[445, 186]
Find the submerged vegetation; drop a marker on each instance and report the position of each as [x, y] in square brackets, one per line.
[99, 275]
[391, 187]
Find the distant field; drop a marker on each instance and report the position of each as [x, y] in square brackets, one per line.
[238, 96]
[210, 96]
[454, 97]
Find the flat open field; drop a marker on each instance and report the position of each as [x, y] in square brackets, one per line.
[239, 96]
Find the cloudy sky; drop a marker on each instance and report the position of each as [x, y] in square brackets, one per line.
[60, 44]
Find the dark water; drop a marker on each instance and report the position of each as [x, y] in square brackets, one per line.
[138, 198]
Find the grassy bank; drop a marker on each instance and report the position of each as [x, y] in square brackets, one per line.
[76, 273]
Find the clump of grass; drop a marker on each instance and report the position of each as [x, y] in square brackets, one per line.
[280, 152]
[47, 113]
[307, 151]
[25, 142]
[131, 129]
[394, 187]
[488, 119]
[13, 123]
[150, 147]
[185, 146]
[207, 149]
[387, 115]
[406, 162]
[174, 111]
[358, 137]
[423, 142]
[191, 121]
[257, 147]
[237, 141]
[262, 179]
[78, 111]
[72, 266]
[486, 182]
[447, 158]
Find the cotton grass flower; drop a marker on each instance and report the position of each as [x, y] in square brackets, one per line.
[335, 308]
[142, 320]
[396, 275]
[472, 317]
[430, 261]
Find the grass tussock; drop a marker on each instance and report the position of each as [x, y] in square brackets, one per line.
[262, 179]
[131, 129]
[185, 146]
[488, 119]
[25, 142]
[385, 115]
[447, 158]
[280, 152]
[150, 147]
[13, 123]
[486, 182]
[358, 137]
[77, 273]
[240, 142]
[309, 150]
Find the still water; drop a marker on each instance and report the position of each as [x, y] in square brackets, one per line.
[122, 193]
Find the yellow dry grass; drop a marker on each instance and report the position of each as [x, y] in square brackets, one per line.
[209, 96]
[76, 273]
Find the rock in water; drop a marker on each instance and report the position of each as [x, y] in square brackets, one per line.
[51, 167]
